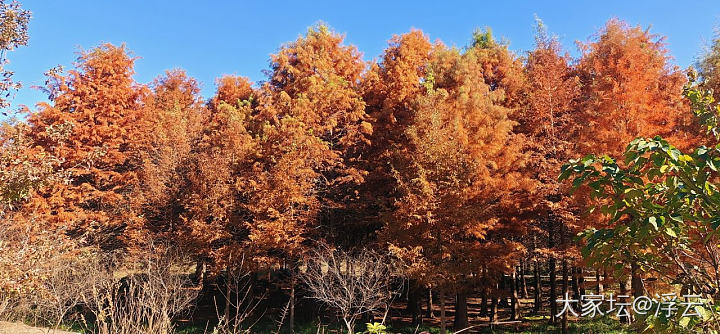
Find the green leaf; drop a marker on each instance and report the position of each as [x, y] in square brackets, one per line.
[684, 321]
[653, 222]
[670, 232]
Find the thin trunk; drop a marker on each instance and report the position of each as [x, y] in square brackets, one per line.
[538, 288]
[524, 280]
[502, 288]
[564, 293]
[516, 279]
[292, 300]
[483, 302]
[442, 312]
[575, 282]
[228, 291]
[563, 244]
[493, 309]
[551, 268]
[461, 316]
[413, 305]
[553, 290]
[638, 288]
[514, 302]
[200, 268]
[598, 282]
[349, 327]
[429, 312]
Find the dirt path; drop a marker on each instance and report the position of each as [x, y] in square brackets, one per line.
[16, 328]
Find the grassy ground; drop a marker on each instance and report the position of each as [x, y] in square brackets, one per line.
[527, 326]
[530, 325]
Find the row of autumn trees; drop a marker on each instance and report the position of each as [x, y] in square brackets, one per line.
[447, 158]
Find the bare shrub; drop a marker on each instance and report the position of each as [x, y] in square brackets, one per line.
[146, 300]
[42, 275]
[353, 284]
[62, 288]
[240, 303]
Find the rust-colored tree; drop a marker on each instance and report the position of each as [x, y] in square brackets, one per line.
[455, 174]
[389, 88]
[100, 104]
[546, 119]
[313, 129]
[629, 90]
[173, 115]
[220, 179]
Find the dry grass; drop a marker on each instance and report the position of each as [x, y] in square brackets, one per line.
[18, 328]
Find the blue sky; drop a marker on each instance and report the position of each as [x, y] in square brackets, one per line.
[212, 38]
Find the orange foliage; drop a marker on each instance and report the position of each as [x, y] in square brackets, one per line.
[174, 115]
[101, 105]
[456, 174]
[629, 90]
[445, 156]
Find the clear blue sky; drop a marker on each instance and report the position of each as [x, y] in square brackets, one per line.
[211, 38]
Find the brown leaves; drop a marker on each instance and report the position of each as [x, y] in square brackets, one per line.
[102, 102]
[629, 89]
[454, 171]
[450, 154]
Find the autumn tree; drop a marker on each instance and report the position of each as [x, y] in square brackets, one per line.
[501, 70]
[389, 89]
[314, 127]
[100, 103]
[173, 114]
[629, 90]
[454, 174]
[314, 81]
[221, 168]
[546, 119]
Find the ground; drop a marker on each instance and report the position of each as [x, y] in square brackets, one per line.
[18, 328]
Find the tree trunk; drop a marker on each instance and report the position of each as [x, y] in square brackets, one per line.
[553, 290]
[623, 291]
[441, 296]
[598, 283]
[551, 269]
[413, 305]
[581, 280]
[575, 282]
[564, 293]
[292, 300]
[503, 301]
[523, 280]
[515, 277]
[537, 304]
[461, 316]
[638, 288]
[200, 269]
[514, 302]
[349, 327]
[483, 302]
[429, 312]
[493, 309]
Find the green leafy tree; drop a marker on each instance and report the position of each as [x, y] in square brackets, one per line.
[13, 33]
[662, 210]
